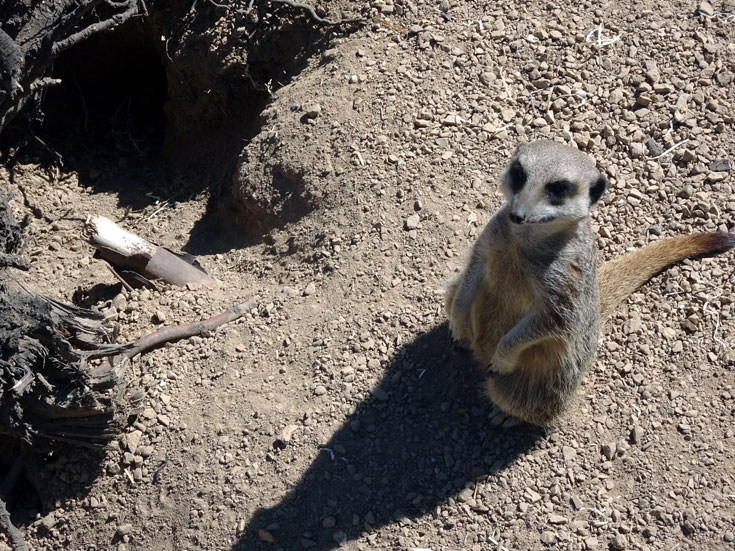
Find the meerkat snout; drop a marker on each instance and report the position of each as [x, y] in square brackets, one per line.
[516, 219]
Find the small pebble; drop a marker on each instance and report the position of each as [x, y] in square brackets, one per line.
[719, 165]
[329, 522]
[124, 529]
[312, 111]
[558, 519]
[379, 394]
[548, 537]
[266, 536]
[412, 222]
[608, 450]
[620, 542]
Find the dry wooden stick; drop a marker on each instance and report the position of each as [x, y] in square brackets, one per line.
[172, 333]
[131, 9]
[315, 17]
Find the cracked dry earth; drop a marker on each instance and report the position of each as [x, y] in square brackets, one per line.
[334, 415]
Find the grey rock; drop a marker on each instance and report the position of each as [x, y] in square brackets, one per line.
[379, 394]
[413, 222]
[686, 192]
[608, 450]
[653, 148]
[312, 111]
[124, 529]
[719, 165]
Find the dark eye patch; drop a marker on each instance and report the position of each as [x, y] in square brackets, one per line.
[558, 191]
[517, 176]
[597, 189]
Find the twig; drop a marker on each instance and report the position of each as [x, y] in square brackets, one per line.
[671, 127]
[548, 100]
[16, 538]
[314, 16]
[175, 332]
[721, 15]
[119, 277]
[163, 207]
[578, 94]
[496, 542]
[599, 513]
[715, 314]
[601, 41]
[44, 82]
[106, 25]
[505, 84]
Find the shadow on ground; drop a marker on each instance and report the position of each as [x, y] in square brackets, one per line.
[402, 454]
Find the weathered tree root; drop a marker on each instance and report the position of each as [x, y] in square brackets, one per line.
[16, 538]
[44, 30]
[130, 9]
[7, 487]
[167, 334]
[315, 17]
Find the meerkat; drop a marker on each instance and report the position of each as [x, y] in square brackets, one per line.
[530, 302]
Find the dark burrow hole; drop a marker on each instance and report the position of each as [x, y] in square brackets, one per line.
[23, 500]
[116, 120]
[158, 123]
[111, 96]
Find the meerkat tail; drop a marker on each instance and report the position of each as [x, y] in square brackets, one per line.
[621, 276]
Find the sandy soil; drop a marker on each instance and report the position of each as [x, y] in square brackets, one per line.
[334, 415]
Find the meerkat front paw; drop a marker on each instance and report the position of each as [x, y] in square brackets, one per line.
[501, 364]
[458, 331]
[458, 347]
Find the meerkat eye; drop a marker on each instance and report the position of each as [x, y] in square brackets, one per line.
[558, 191]
[517, 177]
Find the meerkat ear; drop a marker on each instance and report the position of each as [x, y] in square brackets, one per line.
[597, 189]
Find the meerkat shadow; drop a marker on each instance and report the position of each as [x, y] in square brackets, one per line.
[419, 438]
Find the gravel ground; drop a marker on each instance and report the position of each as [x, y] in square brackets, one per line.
[334, 415]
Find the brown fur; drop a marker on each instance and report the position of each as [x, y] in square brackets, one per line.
[528, 304]
[621, 276]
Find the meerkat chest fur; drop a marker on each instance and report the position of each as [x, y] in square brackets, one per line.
[527, 303]
[526, 273]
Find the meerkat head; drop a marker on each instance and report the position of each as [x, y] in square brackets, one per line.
[549, 182]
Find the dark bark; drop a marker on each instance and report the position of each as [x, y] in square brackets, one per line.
[34, 32]
[46, 390]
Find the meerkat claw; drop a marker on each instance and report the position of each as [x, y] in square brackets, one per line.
[511, 422]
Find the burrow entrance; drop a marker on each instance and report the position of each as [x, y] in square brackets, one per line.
[142, 98]
[112, 94]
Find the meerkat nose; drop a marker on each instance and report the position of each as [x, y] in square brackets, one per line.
[515, 218]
